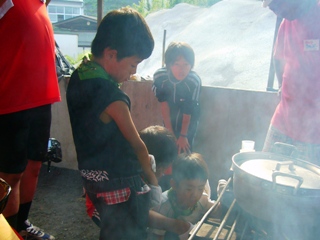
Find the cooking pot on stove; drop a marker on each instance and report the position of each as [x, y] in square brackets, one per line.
[276, 188]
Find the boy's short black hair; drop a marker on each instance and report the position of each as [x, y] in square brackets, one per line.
[161, 143]
[126, 31]
[177, 49]
[190, 167]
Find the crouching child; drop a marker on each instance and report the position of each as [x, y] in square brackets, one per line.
[186, 199]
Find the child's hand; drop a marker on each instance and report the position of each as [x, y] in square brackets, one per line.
[155, 195]
[183, 145]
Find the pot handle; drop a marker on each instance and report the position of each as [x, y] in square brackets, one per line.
[275, 174]
[290, 167]
[285, 149]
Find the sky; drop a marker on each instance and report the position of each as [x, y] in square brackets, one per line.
[232, 41]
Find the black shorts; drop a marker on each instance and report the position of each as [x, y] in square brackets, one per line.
[24, 135]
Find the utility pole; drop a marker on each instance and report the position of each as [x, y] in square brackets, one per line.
[100, 11]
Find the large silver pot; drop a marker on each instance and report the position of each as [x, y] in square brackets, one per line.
[276, 188]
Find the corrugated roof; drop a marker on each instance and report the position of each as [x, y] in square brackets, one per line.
[78, 23]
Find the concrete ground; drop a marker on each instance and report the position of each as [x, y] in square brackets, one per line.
[59, 207]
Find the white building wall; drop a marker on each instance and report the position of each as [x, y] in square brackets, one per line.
[68, 44]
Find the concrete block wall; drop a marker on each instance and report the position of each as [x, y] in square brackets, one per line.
[228, 117]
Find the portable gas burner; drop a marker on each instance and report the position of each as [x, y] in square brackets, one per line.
[237, 224]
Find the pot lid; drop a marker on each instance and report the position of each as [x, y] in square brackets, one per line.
[279, 169]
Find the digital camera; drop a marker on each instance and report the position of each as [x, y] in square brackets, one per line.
[54, 153]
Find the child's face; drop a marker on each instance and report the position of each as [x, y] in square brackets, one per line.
[180, 68]
[123, 69]
[188, 192]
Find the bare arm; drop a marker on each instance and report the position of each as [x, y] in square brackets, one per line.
[183, 144]
[182, 141]
[157, 220]
[165, 110]
[217, 212]
[279, 69]
[120, 113]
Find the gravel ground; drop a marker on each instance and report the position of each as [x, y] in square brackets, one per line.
[59, 207]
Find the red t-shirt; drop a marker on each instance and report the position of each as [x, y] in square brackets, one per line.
[27, 62]
[298, 113]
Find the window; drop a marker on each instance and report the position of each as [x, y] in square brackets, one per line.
[60, 9]
[67, 16]
[52, 9]
[60, 13]
[68, 10]
[53, 18]
[60, 18]
[76, 11]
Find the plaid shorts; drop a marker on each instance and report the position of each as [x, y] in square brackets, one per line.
[123, 211]
[304, 151]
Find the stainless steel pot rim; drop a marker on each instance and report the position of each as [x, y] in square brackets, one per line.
[278, 170]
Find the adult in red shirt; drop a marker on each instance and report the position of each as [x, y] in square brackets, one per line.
[28, 88]
[296, 120]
